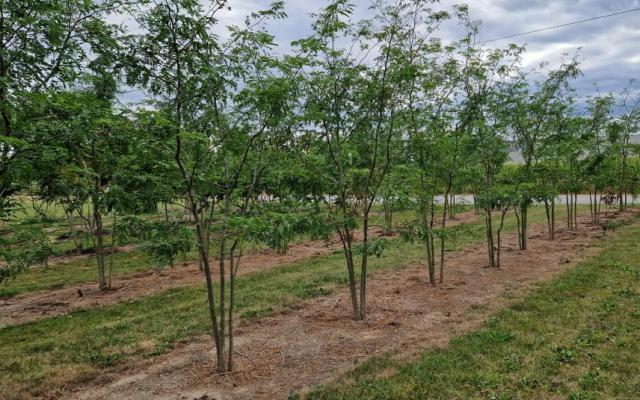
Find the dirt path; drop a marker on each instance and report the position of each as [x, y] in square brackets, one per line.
[45, 304]
[285, 353]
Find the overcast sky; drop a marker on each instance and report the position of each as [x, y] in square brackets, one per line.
[609, 48]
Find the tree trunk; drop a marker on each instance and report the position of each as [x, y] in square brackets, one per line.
[99, 244]
[547, 210]
[387, 205]
[575, 211]
[222, 271]
[431, 268]
[365, 256]
[490, 241]
[623, 180]
[202, 252]
[518, 225]
[77, 244]
[442, 234]
[553, 219]
[569, 203]
[233, 269]
[113, 244]
[345, 239]
[504, 212]
[523, 232]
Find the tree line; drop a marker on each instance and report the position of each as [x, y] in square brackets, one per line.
[259, 145]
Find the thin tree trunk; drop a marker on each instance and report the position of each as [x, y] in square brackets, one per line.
[575, 211]
[114, 227]
[553, 219]
[569, 201]
[77, 244]
[202, 252]
[623, 180]
[490, 242]
[518, 225]
[222, 273]
[547, 210]
[431, 238]
[430, 267]
[345, 239]
[442, 234]
[363, 267]
[591, 210]
[99, 245]
[525, 212]
[504, 212]
[233, 270]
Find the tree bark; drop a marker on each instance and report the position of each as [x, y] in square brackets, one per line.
[99, 243]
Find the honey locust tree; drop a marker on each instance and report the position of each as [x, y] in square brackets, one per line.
[531, 110]
[219, 107]
[487, 75]
[595, 129]
[83, 149]
[354, 76]
[44, 45]
[628, 124]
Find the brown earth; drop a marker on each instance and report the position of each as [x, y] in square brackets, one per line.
[285, 353]
[45, 304]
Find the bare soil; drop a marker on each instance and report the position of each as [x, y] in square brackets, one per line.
[291, 352]
[45, 304]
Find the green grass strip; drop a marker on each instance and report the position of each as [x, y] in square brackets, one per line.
[577, 337]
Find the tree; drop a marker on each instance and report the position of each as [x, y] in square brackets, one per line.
[83, 148]
[628, 124]
[595, 132]
[501, 197]
[488, 76]
[219, 111]
[45, 46]
[351, 104]
[531, 110]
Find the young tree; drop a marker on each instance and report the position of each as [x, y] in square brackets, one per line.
[83, 147]
[595, 132]
[628, 124]
[436, 130]
[488, 75]
[531, 111]
[44, 46]
[219, 110]
[354, 78]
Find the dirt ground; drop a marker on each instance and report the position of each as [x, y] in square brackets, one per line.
[291, 352]
[45, 304]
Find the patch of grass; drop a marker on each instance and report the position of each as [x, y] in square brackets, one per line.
[73, 272]
[85, 341]
[84, 270]
[577, 337]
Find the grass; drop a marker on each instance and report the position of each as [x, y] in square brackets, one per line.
[575, 338]
[75, 271]
[84, 270]
[49, 353]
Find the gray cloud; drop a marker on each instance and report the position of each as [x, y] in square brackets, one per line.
[609, 47]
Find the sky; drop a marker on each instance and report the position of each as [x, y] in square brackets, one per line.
[609, 48]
